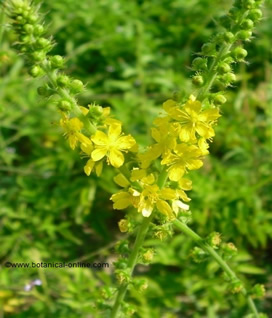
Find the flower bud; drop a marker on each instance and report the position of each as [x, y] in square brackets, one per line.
[76, 86]
[225, 21]
[38, 56]
[36, 71]
[258, 291]
[63, 80]
[229, 250]
[122, 276]
[219, 100]
[44, 91]
[148, 255]
[208, 49]
[228, 78]
[28, 28]
[198, 80]
[248, 4]
[239, 54]
[64, 105]
[224, 68]
[236, 287]
[244, 35]
[140, 284]
[123, 225]
[255, 15]
[32, 18]
[122, 247]
[56, 61]
[42, 43]
[199, 64]
[38, 29]
[121, 263]
[247, 24]
[214, 238]
[228, 37]
[198, 255]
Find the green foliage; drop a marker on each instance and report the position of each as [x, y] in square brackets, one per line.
[132, 55]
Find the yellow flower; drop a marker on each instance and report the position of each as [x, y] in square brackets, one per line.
[111, 145]
[184, 157]
[72, 128]
[192, 119]
[123, 199]
[165, 136]
[90, 165]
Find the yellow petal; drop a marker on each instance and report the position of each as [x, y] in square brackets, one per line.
[205, 131]
[121, 200]
[83, 139]
[176, 172]
[186, 133]
[116, 158]
[98, 168]
[155, 133]
[100, 138]
[75, 124]
[89, 167]
[165, 208]
[209, 115]
[99, 153]
[114, 132]
[125, 142]
[194, 164]
[87, 149]
[72, 141]
[168, 194]
[84, 110]
[185, 184]
[137, 174]
[121, 180]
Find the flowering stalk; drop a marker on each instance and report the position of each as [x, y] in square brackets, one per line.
[153, 182]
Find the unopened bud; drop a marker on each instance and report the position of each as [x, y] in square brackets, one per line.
[76, 86]
[198, 80]
[36, 71]
[247, 24]
[64, 105]
[208, 49]
[56, 61]
[239, 53]
[123, 225]
[219, 99]
[255, 14]
[199, 64]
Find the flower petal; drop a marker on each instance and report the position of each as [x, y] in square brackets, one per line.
[176, 172]
[100, 138]
[89, 167]
[99, 153]
[114, 132]
[116, 158]
[125, 142]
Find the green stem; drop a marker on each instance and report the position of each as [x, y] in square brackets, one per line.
[137, 245]
[131, 264]
[207, 248]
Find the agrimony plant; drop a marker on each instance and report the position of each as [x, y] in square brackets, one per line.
[154, 181]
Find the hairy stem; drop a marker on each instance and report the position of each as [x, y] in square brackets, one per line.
[207, 248]
[134, 255]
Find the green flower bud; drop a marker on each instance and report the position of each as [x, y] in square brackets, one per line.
[228, 60]
[229, 250]
[198, 80]
[38, 29]
[121, 263]
[20, 19]
[198, 255]
[244, 35]
[148, 256]
[28, 28]
[236, 287]
[199, 64]
[224, 68]
[76, 86]
[255, 15]
[258, 291]
[248, 4]
[63, 80]
[228, 37]
[36, 71]
[122, 247]
[26, 39]
[123, 225]
[64, 105]
[214, 238]
[140, 284]
[42, 43]
[44, 91]
[239, 54]
[228, 78]
[56, 61]
[39, 56]
[225, 22]
[219, 100]
[208, 49]
[32, 18]
[247, 24]
[123, 276]
[95, 112]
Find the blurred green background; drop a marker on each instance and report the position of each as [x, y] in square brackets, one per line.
[133, 55]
